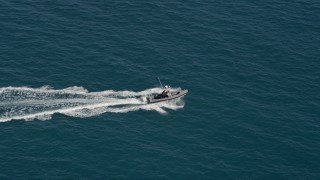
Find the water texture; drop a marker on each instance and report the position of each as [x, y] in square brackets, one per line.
[73, 73]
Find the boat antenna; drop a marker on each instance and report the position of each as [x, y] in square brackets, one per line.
[160, 83]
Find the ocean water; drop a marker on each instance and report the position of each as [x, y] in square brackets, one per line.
[72, 74]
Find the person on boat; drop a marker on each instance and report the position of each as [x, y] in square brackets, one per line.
[165, 94]
[162, 95]
[159, 96]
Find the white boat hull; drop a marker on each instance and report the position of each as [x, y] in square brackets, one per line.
[173, 95]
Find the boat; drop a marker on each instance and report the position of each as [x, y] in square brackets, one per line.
[166, 95]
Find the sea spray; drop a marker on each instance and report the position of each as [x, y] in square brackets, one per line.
[41, 103]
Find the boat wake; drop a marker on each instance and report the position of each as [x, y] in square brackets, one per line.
[41, 103]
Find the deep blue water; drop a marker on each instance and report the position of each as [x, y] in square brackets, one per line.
[251, 68]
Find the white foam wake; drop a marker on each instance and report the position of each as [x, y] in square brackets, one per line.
[41, 103]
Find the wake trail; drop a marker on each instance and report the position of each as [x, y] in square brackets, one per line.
[41, 103]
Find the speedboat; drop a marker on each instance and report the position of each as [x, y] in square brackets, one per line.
[167, 94]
